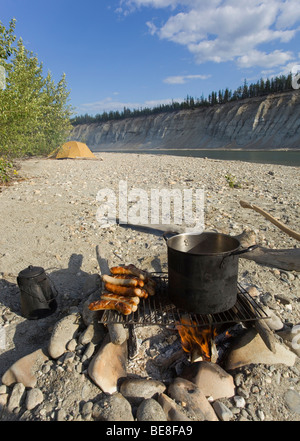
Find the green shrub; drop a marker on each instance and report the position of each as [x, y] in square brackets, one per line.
[232, 182]
[7, 170]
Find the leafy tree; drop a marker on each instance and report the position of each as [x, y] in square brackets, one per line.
[55, 113]
[34, 111]
[7, 39]
[21, 104]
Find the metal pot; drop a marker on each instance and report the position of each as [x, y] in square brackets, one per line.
[37, 293]
[203, 271]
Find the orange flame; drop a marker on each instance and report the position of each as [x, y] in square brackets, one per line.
[196, 339]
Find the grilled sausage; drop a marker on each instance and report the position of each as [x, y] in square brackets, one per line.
[149, 288]
[120, 270]
[122, 290]
[131, 301]
[123, 308]
[139, 282]
[129, 270]
[137, 272]
[126, 271]
[119, 281]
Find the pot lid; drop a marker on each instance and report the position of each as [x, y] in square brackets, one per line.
[31, 271]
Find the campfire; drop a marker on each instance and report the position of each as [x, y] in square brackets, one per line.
[210, 342]
[203, 337]
[162, 344]
[196, 341]
[183, 360]
[207, 343]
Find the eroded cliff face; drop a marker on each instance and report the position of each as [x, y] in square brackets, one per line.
[271, 122]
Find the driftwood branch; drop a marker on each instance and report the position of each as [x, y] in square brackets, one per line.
[285, 259]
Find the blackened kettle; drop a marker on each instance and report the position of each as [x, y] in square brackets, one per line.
[37, 293]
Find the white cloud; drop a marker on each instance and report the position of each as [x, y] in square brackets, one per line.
[154, 103]
[128, 6]
[182, 79]
[281, 70]
[108, 104]
[276, 58]
[290, 14]
[228, 30]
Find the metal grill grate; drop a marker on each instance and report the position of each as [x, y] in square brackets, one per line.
[158, 310]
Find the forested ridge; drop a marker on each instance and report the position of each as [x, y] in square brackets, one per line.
[263, 87]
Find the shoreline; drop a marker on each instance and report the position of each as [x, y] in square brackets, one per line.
[196, 149]
[281, 157]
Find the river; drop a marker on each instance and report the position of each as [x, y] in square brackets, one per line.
[282, 157]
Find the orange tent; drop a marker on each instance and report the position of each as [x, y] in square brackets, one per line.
[72, 149]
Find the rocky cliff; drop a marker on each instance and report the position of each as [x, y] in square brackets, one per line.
[271, 122]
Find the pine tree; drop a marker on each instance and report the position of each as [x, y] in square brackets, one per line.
[262, 87]
[245, 92]
[227, 96]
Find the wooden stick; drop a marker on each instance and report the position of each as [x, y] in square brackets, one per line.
[274, 221]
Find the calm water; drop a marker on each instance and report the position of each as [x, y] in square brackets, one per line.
[265, 157]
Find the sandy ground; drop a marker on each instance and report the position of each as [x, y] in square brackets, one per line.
[49, 219]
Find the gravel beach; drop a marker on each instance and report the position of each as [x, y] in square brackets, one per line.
[49, 219]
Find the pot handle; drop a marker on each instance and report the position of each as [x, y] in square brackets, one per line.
[246, 250]
[174, 233]
[235, 253]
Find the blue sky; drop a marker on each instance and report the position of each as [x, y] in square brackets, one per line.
[138, 53]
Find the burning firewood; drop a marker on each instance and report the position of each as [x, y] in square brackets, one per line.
[208, 343]
[197, 341]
